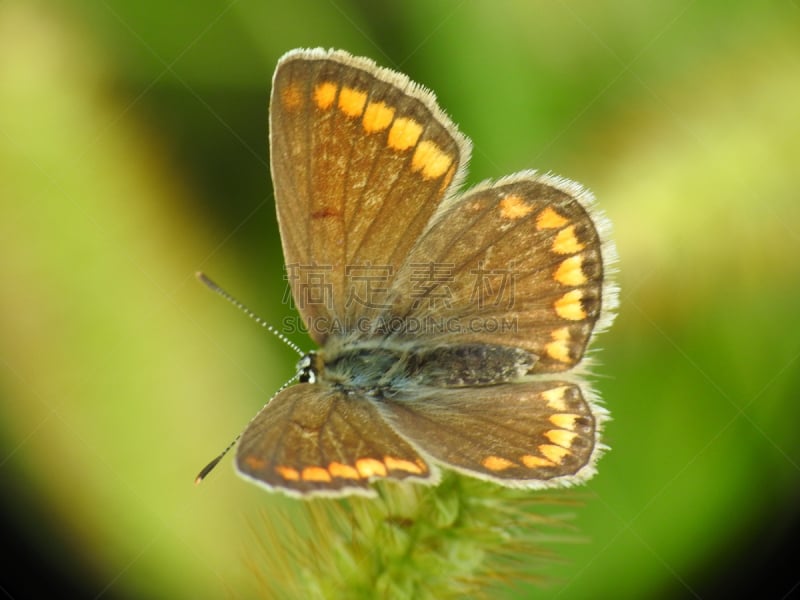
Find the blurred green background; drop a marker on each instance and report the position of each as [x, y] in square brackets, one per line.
[133, 152]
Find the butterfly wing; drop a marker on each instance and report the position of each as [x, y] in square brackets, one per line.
[311, 440]
[361, 157]
[521, 263]
[533, 435]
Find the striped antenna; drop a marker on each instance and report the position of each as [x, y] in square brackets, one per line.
[215, 288]
[210, 466]
[203, 278]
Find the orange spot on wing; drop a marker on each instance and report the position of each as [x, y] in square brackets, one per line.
[550, 219]
[377, 117]
[292, 97]
[324, 94]
[496, 463]
[564, 420]
[533, 462]
[569, 306]
[560, 437]
[352, 101]
[370, 467]
[558, 349]
[254, 462]
[431, 160]
[555, 397]
[566, 242]
[315, 474]
[343, 471]
[514, 207]
[570, 271]
[399, 464]
[554, 453]
[404, 133]
[288, 473]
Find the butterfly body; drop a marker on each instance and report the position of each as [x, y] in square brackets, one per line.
[393, 369]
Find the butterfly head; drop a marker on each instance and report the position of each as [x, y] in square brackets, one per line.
[308, 367]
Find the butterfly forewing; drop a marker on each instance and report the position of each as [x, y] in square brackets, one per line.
[361, 158]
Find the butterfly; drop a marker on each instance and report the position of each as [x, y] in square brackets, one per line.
[452, 326]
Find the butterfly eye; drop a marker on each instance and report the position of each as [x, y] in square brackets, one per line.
[306, 369]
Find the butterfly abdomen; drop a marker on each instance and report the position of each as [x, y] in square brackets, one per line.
[470, 365]
[387, 371]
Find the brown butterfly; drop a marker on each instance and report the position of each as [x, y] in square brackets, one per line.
[452, 327]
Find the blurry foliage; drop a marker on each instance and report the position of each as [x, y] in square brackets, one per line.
[133, 152]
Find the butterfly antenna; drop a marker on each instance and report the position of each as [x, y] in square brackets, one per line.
[203, 278]
[210, 466]
[218, 290]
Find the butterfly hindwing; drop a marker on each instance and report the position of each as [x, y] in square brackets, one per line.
[309, 439]
[536, 434]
